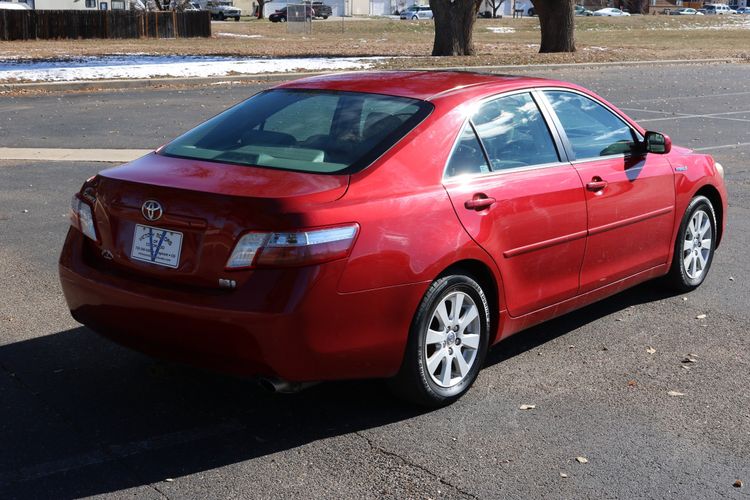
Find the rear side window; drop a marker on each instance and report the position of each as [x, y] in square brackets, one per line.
[303, 130]
[592, 129]
[514, 133]
[467, 156]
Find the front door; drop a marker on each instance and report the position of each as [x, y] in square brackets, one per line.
[518, 201]
[629, 195]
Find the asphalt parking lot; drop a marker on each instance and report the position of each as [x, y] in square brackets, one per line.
[80, 416]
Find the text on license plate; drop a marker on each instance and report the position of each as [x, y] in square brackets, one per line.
[157, 246]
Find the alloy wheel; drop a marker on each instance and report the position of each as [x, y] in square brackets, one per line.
[452, 339]
[697, 244]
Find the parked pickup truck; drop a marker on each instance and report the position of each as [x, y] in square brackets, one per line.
[321, 10]
[222, 9]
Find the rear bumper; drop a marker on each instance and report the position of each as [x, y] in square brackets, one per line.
[291, 324]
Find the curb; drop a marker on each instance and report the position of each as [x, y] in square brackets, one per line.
[276, 77]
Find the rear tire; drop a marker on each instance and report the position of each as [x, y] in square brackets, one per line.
[694, 247]
[447, 343]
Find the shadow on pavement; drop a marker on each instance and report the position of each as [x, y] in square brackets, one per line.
[81, 416]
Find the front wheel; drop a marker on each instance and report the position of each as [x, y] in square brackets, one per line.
[695, 246]
[447, 343]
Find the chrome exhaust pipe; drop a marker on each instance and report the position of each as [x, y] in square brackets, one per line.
[280, 386]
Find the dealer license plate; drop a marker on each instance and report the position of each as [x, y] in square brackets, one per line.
[157, 246]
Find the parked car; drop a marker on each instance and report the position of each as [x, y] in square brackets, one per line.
[13, 6]
[743, 10]
[611, 12]
[416, 12]
[716, 9]
[321, 10]
[685, 11]
[385, 224]
[527, 8]
[223, 9]
[580, 10]
[280, 16]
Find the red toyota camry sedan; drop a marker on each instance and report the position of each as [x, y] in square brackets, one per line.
[385, 224]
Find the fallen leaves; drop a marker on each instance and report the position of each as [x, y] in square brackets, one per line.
[701, 316]
[582, 460]
[651, 350]
[563, 475]
[527, 407]
[676, 394]
[737, 483]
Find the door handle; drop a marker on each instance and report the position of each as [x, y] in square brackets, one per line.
[479, 202]
[596, 184]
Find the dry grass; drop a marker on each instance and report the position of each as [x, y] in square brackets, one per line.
[598, 39]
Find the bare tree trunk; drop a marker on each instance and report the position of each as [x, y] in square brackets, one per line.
[556, 18]
[261, 3]
[454, 24]
[636, 6]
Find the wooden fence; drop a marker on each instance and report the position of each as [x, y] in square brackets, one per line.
[74, 24]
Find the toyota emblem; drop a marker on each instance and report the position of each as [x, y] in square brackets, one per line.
[152, 210]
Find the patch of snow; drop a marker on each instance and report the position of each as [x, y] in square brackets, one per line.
[226, 82]
[112, 67]
[501, 29]
[237, 35]
[594, 48]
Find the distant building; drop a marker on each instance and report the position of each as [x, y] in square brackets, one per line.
[76, 4]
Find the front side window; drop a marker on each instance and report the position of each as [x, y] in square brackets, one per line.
[592, 129]
[514, 133]
[304, 130]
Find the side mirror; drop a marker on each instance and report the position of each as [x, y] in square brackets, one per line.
[657, 143]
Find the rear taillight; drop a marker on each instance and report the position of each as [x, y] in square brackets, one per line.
[82, 217]
[297, 248]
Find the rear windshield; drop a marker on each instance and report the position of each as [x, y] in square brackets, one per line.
[303, 130]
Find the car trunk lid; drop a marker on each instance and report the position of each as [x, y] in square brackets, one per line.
[203, 208]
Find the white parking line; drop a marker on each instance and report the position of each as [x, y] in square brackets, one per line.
[712, 116]
[56, 154]
[724, 146]
[645, 110]
[679, 97]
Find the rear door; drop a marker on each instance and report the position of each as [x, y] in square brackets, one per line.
[629, 195]
[519, 201]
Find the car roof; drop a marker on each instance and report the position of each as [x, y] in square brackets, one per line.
[424, 85]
